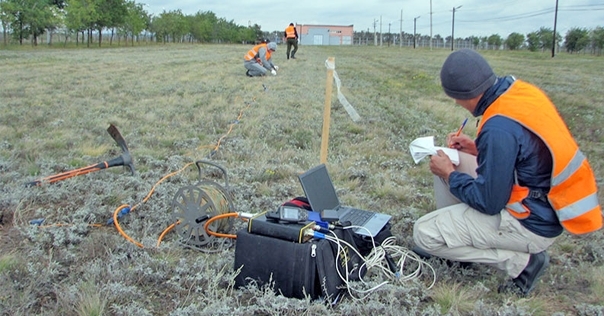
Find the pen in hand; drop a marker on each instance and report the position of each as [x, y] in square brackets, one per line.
[461, 127]
[459, 130]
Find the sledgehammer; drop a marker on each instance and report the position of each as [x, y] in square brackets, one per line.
[124, 160]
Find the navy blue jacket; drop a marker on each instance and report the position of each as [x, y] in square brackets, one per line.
[504, 146]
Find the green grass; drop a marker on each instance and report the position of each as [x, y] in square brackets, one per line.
[175, 104]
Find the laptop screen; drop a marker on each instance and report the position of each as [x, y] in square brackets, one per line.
[319, 189]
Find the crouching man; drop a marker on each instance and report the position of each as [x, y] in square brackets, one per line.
[258, 60]
[519, 184]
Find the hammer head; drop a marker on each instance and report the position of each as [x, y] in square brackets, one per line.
[127, 159]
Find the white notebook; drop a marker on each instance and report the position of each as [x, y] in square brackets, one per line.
[424, 146]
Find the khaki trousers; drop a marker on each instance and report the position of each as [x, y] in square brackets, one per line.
[458, 232]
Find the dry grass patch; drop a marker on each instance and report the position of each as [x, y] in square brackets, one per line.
[453, 299]
[176, 104]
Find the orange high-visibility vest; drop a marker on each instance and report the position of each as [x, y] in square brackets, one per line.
[573, 193]
[290, 31]
[252, 53]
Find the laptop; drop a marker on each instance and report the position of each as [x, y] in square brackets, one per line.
[321, 195]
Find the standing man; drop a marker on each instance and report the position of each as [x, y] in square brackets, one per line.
[291, 37]
[258, 60]
[525, 180]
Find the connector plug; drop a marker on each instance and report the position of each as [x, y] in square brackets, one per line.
[37, 221]
[314, 234]
[121, 214]
[391, 263]
[246, 215]
[321, 229]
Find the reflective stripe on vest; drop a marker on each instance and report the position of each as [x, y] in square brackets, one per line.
[573, 192]
[570, 169]
[252, 53]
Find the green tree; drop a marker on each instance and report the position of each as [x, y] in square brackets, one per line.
[485, 42]
[5, 19]
[135, 20]
[27, 17]
[171, 26]
[514, 41]
[475, 40]
[597, 38]
[202, 25]
[495, 41]
[257, 29]
[546, 38]
[576, 39]
[533, 41]
[80, 16]
[111, 14]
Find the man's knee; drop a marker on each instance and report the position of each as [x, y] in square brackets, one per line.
[421, 237]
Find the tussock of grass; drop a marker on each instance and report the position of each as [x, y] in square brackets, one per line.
[453, 299]
[176, 104]
[8, 262]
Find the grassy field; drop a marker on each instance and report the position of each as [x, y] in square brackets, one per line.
[178, 104]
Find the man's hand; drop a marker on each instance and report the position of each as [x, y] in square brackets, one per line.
[273, 72]
[441, 165]
[462, 143]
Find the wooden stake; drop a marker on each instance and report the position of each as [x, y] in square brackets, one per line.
[327, 111]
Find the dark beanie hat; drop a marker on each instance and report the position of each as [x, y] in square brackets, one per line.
[465, 75]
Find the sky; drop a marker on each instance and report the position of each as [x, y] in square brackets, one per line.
[472, 17]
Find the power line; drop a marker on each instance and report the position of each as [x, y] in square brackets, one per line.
[511, 18]
[533, 14]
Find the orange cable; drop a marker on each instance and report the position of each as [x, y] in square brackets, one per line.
[119, 229]
[169, 228]
[117, 210]
[217, 217]
[115, 220]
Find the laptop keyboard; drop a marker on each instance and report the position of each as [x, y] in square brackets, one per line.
[356, 217]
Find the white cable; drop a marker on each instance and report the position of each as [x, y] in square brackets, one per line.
[344, 277]
[347, 106]
[377, 260]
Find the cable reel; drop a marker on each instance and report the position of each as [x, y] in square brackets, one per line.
[194, 204]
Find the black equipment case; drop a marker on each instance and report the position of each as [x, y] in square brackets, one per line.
[296, 269]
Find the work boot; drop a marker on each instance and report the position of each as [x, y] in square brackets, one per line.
[450, 263]
[525, 283]
[247, 73]
[421, 253]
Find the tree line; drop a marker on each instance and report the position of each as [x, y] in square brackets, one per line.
[29, 19]
[88, 20]
[575, 40]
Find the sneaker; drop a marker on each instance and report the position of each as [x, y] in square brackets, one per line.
[525, 283]
[247, 73]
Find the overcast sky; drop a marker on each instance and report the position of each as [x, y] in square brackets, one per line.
[474, 17]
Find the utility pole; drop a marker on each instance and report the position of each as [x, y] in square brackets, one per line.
[554, 37]
[401, 35]
[453, 28]
[374, 33]
[414, 24]
[430, 24]
[381, 34]
[389, 34]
